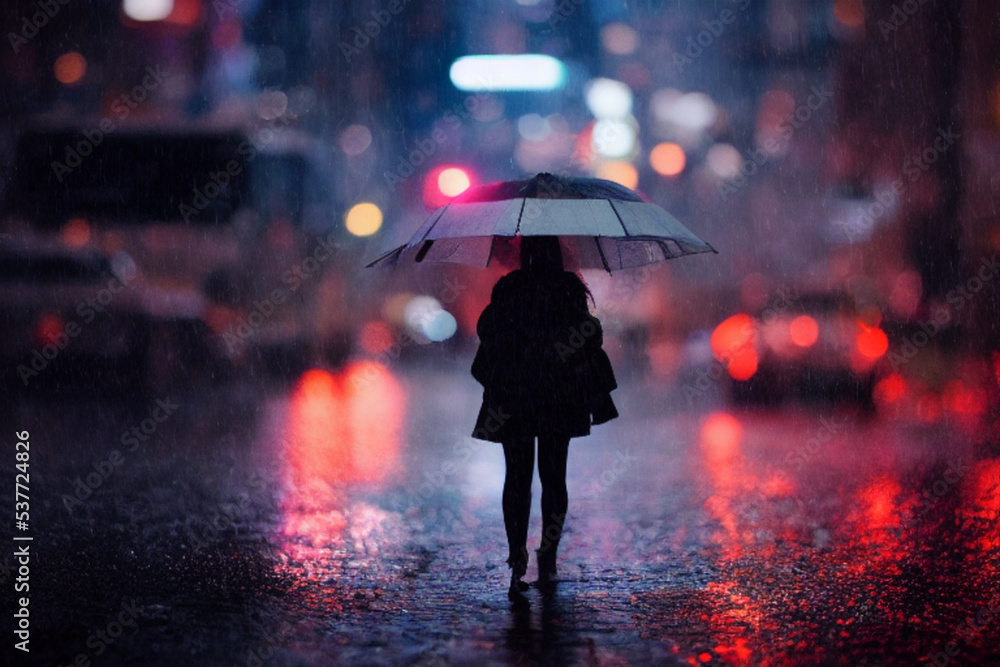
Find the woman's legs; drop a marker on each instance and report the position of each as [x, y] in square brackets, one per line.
[552, 454]
[519, 454]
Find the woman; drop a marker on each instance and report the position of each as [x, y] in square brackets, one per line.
[544, 375]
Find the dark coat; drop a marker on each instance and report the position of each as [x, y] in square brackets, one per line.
[540, 359]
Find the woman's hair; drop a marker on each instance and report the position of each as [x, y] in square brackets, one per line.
[541, 253]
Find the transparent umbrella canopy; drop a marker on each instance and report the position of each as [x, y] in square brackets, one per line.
[600, 224]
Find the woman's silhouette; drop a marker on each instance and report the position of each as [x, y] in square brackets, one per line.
[544, 375]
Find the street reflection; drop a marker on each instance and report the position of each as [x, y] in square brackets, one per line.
[888, 509]
[874, 527]
[980, 510]
[343, 432]
[731, 613]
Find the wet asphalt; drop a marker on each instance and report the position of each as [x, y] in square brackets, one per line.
[348, 518]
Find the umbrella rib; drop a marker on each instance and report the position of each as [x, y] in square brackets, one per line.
[384, 255]
[604, 260]
[621, 222]
[434, 224]
[618, 215]
[520, 214]
[489, 255]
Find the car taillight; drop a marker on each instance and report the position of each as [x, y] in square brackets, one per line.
[872, 342]
[732, 343]
[804, 331]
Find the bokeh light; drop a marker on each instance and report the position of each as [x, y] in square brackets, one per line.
[724, 161]
[75, 233]
[614, 138]
[731, 334]
[533, 127]
[732, 342]
[804, 331]
[607, 98]
[147, 10]
[453, 181]
[619, 38]
[667, 159]
[376, 337]
[872, 342]
[620, 172]
[849, 13]
[687, 111]
[70, 67]
[445, 182]
[424, 316]
[721, 433]
[363, 219]
[355, 140]
[524, 71]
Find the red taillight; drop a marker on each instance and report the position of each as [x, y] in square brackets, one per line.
[732, 342]
[872, 342]
[804, 331]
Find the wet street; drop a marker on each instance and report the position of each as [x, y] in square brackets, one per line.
[350, 519]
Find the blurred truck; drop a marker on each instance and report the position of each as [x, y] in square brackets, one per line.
[230, 235]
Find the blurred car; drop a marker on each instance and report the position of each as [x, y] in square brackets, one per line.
[241, 221]
[85, 319]
[807, 346]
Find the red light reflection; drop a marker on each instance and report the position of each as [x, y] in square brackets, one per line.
[346, 427]
[981, 507]
[343, 428]
[876, 524]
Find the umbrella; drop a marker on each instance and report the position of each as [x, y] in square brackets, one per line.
[600, 223]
